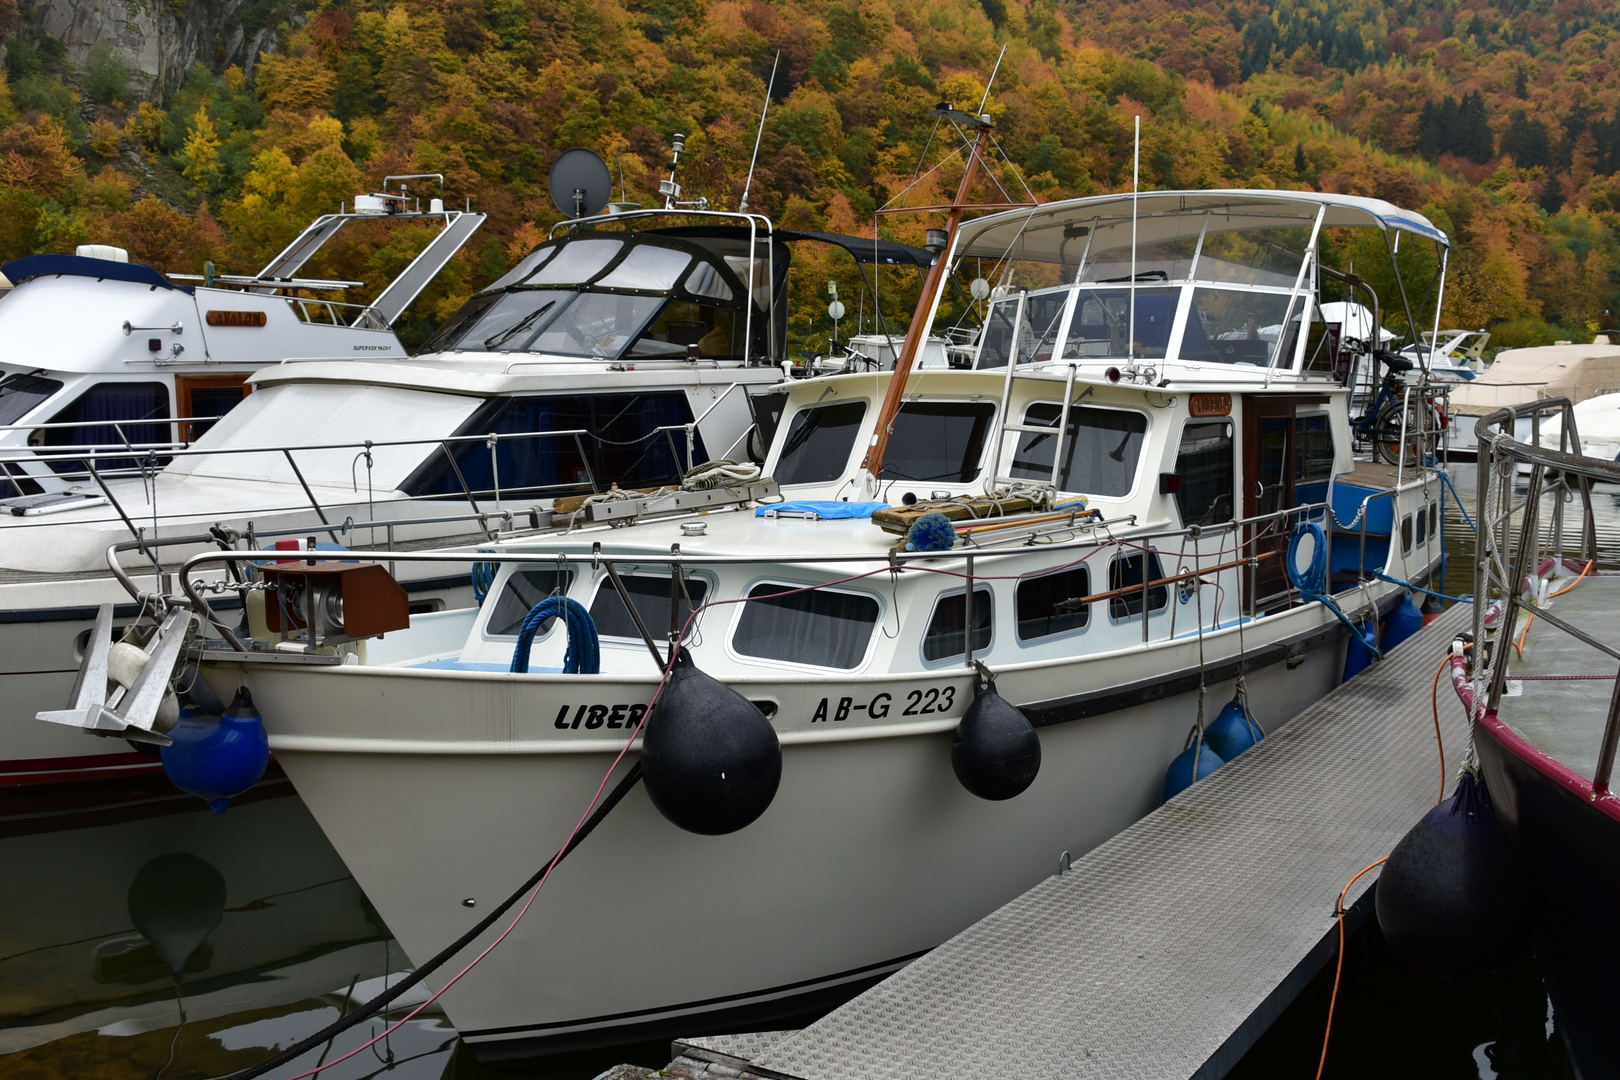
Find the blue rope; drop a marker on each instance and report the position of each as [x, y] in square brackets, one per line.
[1421, 589]
[1447, 481]
[1313, 581]
[483, 579]
[584, 653]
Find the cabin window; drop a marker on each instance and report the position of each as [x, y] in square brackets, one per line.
[1101, 316]
[625, 445]
[1125, 572]
[648, 267]
[1422, 524]
[1434, 518]
[1406, 534]
[1253, 257]
[706, 280]
[818, 443]
[531, 262]
[1230, 326]
[1205, 466]
[946, 634]
[1168, 260]
[823, 627]
[650, 594]
[1051, 604]
[939, 441]
[1313, 449]
[716, 333]
[109, 415]
[577, 261]
[522, 591]
[1036, 336]
[597, 325]
[22, 394]
[1100, 451]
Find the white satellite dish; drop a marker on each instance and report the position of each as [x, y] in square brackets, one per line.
[581, 184]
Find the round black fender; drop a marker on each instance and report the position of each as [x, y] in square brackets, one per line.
[996, 753]
[710, 759]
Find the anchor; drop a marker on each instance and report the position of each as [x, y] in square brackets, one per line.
[126, 714]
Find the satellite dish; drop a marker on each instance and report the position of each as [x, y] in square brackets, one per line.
[581, 184]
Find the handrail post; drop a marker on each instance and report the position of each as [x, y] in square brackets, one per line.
[313, 501]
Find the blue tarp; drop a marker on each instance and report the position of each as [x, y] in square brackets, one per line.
[826, 510]
[20, 270]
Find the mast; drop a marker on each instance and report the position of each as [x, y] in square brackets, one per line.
[872, 466]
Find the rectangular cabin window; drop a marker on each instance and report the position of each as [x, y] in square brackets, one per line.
[1313, 449]
[824, 628]
[1051, 604]
[625, 445]
[939, 441]
[522, 591]
[1101, 316]
[109, 415]
[650, 594]
[1237, 326]
[22, 394]
[1205, 465]
[819, 440]
[1100, 450]
[1036, 336]
[1125, 572]
[946, 634]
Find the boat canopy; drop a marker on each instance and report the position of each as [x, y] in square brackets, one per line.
[20, 270]
[1056, 232]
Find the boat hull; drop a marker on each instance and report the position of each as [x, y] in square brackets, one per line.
[871, 853]
[1571, 846]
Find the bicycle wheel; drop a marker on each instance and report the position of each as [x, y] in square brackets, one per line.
[1421, 425]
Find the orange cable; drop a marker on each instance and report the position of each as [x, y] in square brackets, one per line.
[1518, 646]
[1338, 971]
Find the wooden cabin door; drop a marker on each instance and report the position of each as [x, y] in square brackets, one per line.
[1270, 468]
[206, 396]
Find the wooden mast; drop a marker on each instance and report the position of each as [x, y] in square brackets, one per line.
[873, 463]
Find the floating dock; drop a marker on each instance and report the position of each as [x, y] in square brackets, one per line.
[1166, 952]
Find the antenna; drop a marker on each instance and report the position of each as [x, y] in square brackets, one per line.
[669, 189]
[986, 99]
[742, 207]
[1136, 175]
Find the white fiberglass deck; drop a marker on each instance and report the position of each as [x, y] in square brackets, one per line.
[1563, 717]
[1168, 950]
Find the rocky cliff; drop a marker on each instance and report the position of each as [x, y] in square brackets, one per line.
[158, 40]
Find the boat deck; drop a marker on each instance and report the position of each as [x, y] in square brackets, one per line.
[1564, 717]
[1167, 951]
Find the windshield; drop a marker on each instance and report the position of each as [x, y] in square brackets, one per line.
[21, 394]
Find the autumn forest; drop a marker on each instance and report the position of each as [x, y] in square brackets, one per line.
[1501, 121]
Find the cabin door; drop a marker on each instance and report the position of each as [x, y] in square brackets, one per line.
[1270, 469]
[206, 397]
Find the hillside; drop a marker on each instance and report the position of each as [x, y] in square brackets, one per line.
[1501, 121]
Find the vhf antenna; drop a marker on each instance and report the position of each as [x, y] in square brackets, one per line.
[742, 207]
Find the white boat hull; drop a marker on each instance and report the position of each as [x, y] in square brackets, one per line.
[871, 853]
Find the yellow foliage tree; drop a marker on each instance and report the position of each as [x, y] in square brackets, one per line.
[201, 151]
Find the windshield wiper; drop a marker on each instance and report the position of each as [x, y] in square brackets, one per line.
[495, 341]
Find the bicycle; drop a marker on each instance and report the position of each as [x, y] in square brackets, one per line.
[1393, 410]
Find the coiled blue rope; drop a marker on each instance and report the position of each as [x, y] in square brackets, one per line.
[584, 653]
[1312, 582]
[483, 579]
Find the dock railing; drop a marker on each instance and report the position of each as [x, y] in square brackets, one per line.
[1514, 548]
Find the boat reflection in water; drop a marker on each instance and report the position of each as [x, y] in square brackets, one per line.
[150, 936]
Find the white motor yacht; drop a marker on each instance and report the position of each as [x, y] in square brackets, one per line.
[624, 351]
[1095, 516]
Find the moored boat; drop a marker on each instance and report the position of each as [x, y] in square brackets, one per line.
[1131, 509]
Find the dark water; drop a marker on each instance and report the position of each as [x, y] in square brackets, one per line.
[143, 937]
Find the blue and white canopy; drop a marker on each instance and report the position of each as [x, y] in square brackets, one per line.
[1054, 232]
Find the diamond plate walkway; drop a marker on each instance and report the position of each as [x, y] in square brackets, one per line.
[1167, 951]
